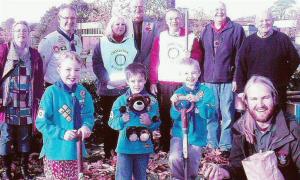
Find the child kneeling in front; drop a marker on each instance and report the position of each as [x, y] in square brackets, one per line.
[135, 115]
[66, 111]
[202, 97]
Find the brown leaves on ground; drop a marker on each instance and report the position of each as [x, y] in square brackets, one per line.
[213, 156]
[96, 167]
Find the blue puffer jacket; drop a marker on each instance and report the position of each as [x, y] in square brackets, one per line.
[220, 67]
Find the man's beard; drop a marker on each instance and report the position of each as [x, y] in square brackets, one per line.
[263, 116]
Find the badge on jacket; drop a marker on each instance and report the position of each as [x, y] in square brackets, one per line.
[65, 111]
[149, 26]
[41, 113]
[82, 101]
[282, 159]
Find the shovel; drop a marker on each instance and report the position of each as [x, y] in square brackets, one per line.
[79, 157]
[185, 123]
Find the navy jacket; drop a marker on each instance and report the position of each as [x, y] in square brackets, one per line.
[220, 67]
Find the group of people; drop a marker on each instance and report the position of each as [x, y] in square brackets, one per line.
[144, 73]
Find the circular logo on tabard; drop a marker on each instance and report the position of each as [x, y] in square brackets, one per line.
[173, 53]
[120, 59]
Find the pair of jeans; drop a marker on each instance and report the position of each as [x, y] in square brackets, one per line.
[219, 128]
[176, 159]
[132, 164]
[17, 135]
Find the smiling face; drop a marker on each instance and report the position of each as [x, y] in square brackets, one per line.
[219, 12]
[67, 20]
[260, 102]
[264, 22]
[119, 27]
[137, 9]
[191, 75]
[136, 83]
[173, 20]
[20, 34]
[69, 71]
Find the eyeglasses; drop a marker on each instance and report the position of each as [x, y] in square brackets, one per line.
[70, 18]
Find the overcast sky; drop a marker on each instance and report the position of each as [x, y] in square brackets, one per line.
[33, 10]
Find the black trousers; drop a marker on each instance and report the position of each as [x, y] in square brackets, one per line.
[110, 136]
[165, 91]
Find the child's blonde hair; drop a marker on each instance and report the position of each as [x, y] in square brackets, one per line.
[190, 62]
[134, 69]
[71, 55]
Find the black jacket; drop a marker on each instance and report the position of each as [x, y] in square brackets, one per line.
[285, 141]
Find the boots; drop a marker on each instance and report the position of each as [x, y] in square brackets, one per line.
[6, 174]
[24, 166]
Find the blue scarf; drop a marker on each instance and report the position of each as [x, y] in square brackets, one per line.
[76, 106]
[70, 39]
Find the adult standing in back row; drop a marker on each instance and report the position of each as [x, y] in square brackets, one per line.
[221, 40]
[144, 30]
[268, 53]
[168, 52]
[63, 39]
[112, 54]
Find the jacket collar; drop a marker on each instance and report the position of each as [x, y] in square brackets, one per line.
[60, 31]
[280, 136]
[193, 91]
[64, 87]
[129, 93]
[229, 24]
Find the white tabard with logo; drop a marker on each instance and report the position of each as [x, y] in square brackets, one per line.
[171, 53]
[116, 57]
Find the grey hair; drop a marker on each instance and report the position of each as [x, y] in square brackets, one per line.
[256, 79]
[174, 10]
[108, 30]
[67, 6]
[267, 11]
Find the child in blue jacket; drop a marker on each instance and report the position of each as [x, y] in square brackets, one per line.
[66, 110]
[204, 109]
[135, 114]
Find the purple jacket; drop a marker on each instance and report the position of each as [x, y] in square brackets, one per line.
[38, 80]
[220, 67]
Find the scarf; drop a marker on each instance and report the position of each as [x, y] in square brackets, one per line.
[76, 108]
[70, 39]
[118, 38]
[14, 58]
[247, 125]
